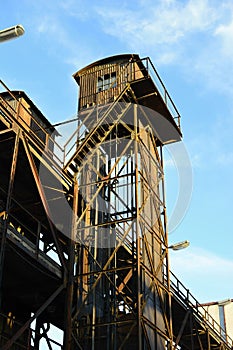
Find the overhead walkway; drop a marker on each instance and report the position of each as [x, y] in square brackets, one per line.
[33, 281]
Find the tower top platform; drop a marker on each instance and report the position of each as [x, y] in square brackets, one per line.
[103, 81]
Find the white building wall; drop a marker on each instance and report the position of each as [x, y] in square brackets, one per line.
[229, 318]
[224, 308]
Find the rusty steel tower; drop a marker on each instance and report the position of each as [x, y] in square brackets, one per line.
[84, 241]
[123, 297]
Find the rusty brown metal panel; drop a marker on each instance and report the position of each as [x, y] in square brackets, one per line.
[7, 209]
[44, 202]
[122, 296]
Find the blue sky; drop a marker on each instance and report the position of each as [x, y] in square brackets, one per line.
[190, 44]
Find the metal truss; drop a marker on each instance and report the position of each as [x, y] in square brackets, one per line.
[27, 234]
[121, 241]
[110, 286]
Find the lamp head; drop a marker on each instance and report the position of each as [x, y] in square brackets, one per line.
[180, 245]
[11, 33]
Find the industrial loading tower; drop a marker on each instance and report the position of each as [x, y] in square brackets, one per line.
[83, 231]
[122, 280]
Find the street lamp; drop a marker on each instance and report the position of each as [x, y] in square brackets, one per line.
[179, 245]
[11, 33]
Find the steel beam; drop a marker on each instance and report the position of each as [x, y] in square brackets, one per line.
[70, 281]
[16, 336]
[44, 202]
[7, 209]
[178, 338]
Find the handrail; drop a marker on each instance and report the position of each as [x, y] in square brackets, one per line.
[73, 139]
[139, 69]
[186, 298]
[162, 89]
[42, 142]
[75, 133]
[98, 122]
[33, 133]
[152, 73]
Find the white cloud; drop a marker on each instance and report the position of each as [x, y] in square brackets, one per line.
[225, 33]
[194, 34]
[51, 28]
[213, 142]
[196, 160]
[75, 8]
[169, 163]
[202, 261]
[166, 22]
[66, 42]
[204, 273]
[225, 159]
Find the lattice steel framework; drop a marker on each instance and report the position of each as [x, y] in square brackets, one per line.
[109, 285]
[121, 237]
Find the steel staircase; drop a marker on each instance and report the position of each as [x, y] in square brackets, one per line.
[97, 131]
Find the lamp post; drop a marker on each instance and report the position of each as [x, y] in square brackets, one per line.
[11, 33]
[175, 246]
[179, 245]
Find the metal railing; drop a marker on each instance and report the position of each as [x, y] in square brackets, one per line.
[130, 72]
[183, 295]
[135, 70]
[10, 115]
[15, 113]
[90, 124]
[152, 72]
[16, 116]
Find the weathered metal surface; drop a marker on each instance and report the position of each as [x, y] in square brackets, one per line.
[105, 293]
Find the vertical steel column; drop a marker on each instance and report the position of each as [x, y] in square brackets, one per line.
[208, 339]
[170, 347]
[179, 336]
[70, 273]
[138, 239]
[44, 201]
[8, 203]
[191, 329]
[27, 324]
[37, 336]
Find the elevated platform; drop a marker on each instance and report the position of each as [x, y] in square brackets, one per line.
[30, 278]
[38, 261]
[148, 91]
[33, 251]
